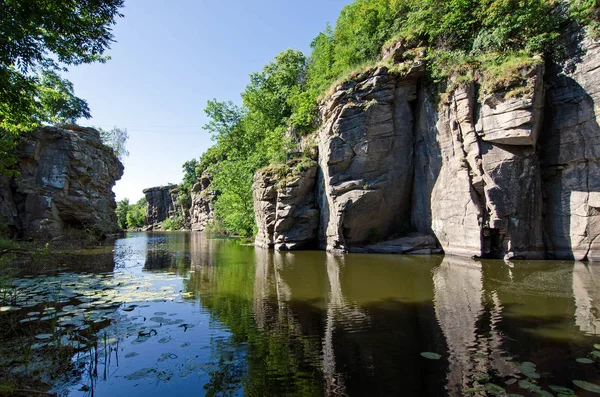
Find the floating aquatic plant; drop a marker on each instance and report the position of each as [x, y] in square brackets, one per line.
[431, 355]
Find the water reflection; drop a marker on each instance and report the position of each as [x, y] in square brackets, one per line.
[586, 289]
[313, 323]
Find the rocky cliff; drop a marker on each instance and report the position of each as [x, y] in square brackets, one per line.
[510, 173]
[201, 211]
[161, 204]
[64, 183]
[286, 208]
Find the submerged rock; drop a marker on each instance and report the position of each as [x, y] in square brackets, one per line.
[64, 183]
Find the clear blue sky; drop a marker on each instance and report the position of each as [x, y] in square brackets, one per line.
[171, 57]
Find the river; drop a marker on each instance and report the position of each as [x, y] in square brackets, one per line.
[187, 314]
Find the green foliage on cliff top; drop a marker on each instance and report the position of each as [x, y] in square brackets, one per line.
[494, 42]
[38, 39]
[587, 12]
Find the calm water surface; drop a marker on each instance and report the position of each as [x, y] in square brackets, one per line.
[188, 315]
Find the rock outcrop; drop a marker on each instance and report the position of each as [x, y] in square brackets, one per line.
[477, 207]
[285, 207]
[366, 158]
[64, 183]
[161, 204]
[570, 151]
[201, 211]
[514, 173]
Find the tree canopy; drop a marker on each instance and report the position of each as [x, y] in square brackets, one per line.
[38, 40]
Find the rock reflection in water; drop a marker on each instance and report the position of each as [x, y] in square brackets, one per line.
[468, 315]
[458, 305]
[586, 290]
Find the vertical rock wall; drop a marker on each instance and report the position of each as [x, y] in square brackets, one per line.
[201, 211]
[366, 159]
[64, 182]
[570, 150]
[161, 204]
[286, 210]
[514, 173]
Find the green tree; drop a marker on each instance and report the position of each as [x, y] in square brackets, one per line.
[38, 40]
[116, 139]
[122, 210]
[131, 216]
[136, 216]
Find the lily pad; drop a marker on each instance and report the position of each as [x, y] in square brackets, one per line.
[584, 361]
[562, 390]
[431, 355]
[494, 389]
[597, 346]
[594, 388]
[167, 356]
[525, 384]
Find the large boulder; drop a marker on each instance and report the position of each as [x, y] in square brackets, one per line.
[64, 183]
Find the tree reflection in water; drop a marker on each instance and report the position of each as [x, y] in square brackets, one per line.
[312, 323]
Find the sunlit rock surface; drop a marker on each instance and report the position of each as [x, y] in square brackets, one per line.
[511, 174]
[365, 155]
[202, 211]
[64, 183]
[285, 208]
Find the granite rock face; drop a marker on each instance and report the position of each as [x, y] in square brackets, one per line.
[65, 183]
[286, 210]
[487, 197]
[403, 168]
[366, 158]
[570, 150]
[161, 204]
[201, 211]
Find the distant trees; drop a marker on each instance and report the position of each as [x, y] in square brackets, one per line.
[131, 216]
[38, 39]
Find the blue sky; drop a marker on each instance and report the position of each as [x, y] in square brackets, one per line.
[171, 57]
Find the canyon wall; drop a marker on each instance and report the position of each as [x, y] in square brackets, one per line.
[63, 184]
[201, 211]
[404, 166]
[161, 204]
